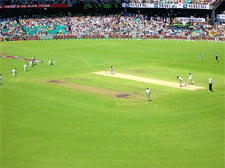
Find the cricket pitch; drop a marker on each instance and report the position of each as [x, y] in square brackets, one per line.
[149, 80]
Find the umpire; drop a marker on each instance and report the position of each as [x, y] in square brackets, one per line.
[210, 84]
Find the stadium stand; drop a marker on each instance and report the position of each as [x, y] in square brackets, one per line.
[159, 21]
[35, 27]
[11, 28]
[113, 25]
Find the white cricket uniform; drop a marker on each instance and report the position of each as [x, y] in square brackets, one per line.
[190, 79]
[14, 72]
[31, 63]
[50, 62]
[25, 67]
[0, 80]
[148, 94]
[111, 70]
[200, 56]
[181, 81]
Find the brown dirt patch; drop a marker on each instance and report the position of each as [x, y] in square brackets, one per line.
[74, 86]
[122, 95]
[150, 80]
[54, 81]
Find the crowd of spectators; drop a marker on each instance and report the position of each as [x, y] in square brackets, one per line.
[44, 25]
[127, 25]
[110, 25]
[10, 28]
[122, 25]
[205, 2]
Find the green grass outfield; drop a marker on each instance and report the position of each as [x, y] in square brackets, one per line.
[47, 125]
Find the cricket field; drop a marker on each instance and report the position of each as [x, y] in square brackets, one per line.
[68, 115]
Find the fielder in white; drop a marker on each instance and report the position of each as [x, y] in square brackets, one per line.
[25, 67]
[33, 60]
[31, 63]
[217, 57]
[14, 72]
[200, 56]
[50, 62]
[181, 81]
[190, 79]
[112, 70]
[148, 94]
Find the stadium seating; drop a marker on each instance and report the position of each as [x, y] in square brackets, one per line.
[96, 26]
[11, 28]
[44, 26]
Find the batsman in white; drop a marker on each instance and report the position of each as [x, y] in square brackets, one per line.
[190, 79]
[181, 81]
